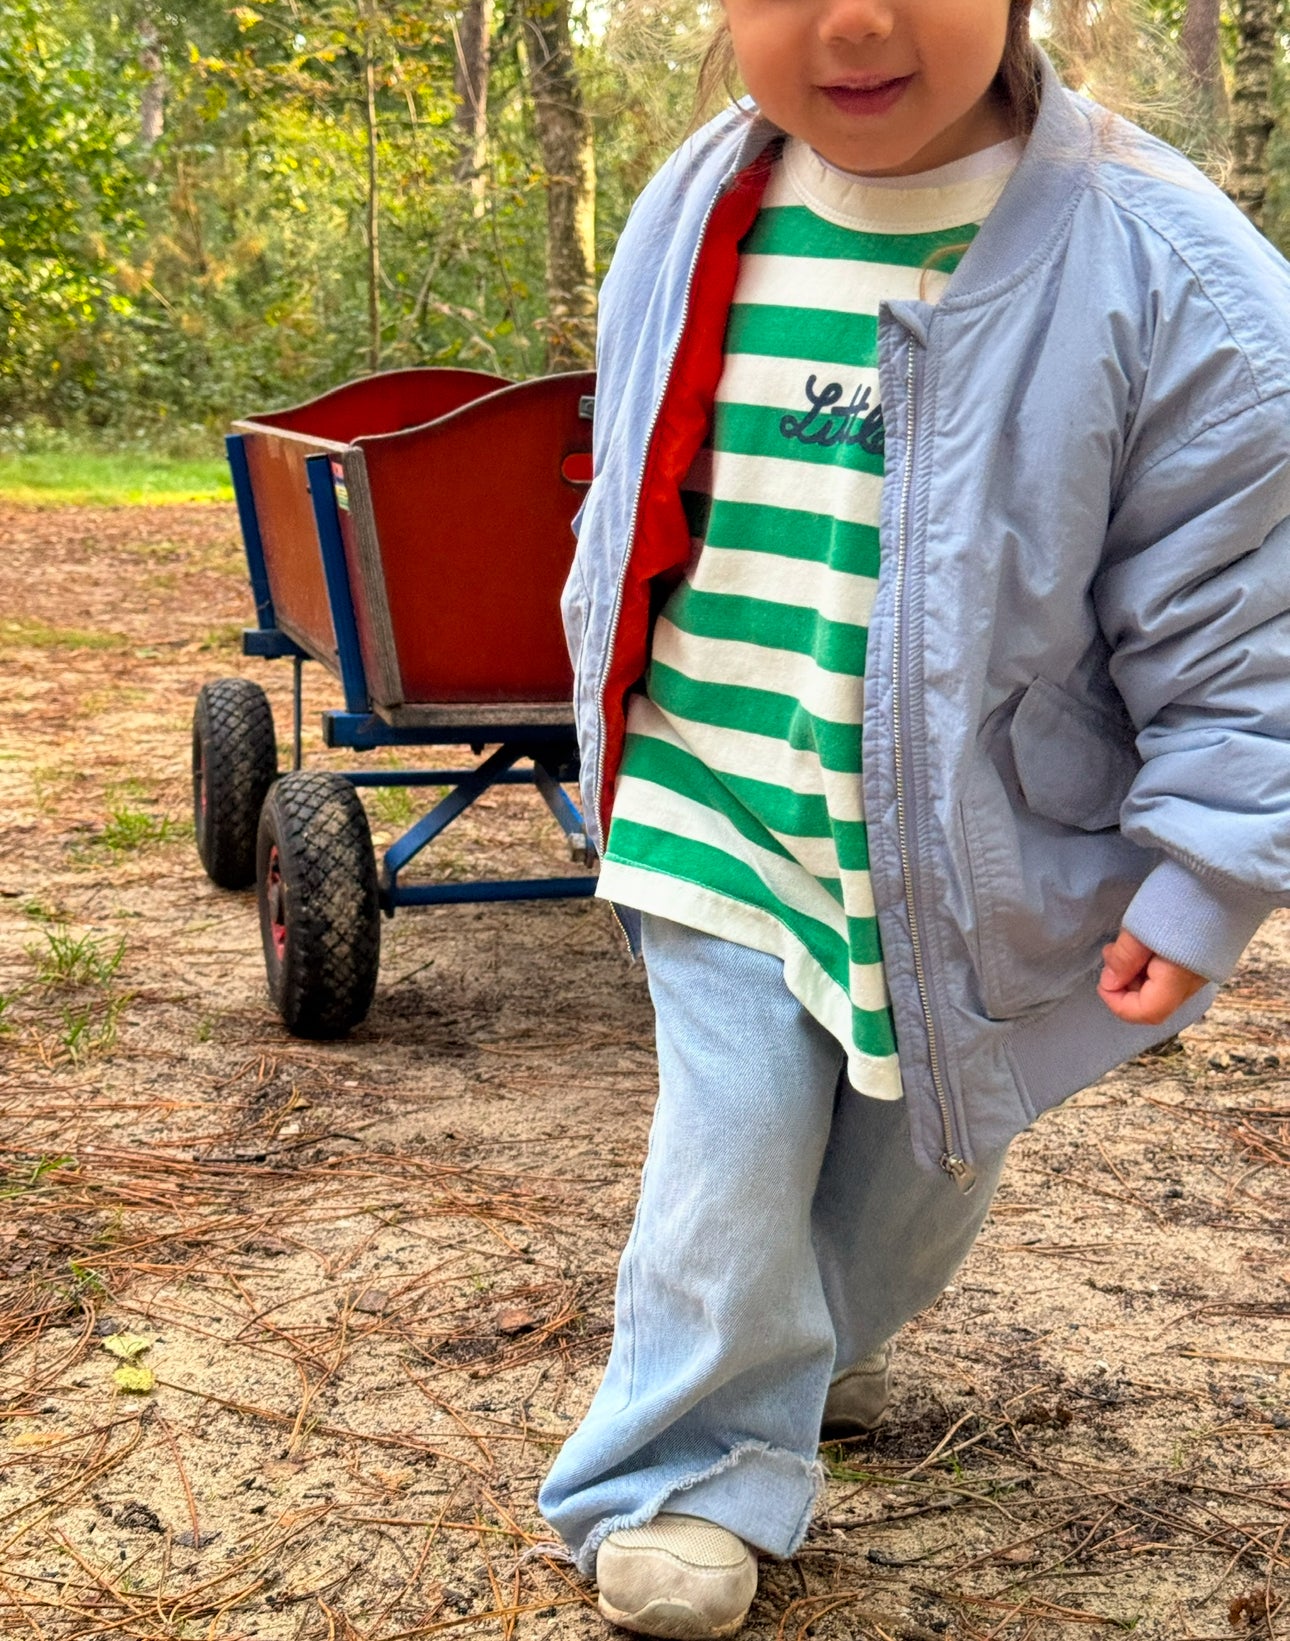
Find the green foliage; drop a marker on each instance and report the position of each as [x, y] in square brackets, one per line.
[638, 79]
[224, 269]
[70, 1008]
[68, 189]
[249, 289]
[151, 291]
[78, 1006]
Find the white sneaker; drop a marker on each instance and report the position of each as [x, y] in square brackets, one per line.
[859, 1398]
[677, 1576]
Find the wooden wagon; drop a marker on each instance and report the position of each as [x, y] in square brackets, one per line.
[410, 532]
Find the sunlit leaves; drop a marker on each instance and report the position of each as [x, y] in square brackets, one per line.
[69, 187]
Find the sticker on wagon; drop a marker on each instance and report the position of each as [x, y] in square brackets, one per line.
[342, 489]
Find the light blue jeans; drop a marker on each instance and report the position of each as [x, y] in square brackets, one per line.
[783, 1232]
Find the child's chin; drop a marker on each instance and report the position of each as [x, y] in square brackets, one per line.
[865, 155]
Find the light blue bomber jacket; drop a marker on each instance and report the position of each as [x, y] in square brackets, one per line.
[1077, 705]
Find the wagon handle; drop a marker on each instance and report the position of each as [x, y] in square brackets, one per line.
[575, 469]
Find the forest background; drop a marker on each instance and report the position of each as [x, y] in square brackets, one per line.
[209, 209]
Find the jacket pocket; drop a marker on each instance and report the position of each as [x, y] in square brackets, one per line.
[1049, 874]
[1074, 764]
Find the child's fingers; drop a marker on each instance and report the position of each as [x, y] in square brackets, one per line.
[1125, 960]
[1164, 988]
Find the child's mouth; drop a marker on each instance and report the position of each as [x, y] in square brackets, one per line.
[874, 98]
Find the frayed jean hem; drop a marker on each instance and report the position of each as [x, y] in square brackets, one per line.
[741, 1509]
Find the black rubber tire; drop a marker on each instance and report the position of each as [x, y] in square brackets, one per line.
[235, 762]
[320, 917]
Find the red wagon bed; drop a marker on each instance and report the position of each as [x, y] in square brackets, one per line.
[455, 493]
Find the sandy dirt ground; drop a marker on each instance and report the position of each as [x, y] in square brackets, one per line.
[375, 1276]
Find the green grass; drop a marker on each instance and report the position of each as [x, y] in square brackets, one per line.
[76, 960]
[42, 911]
[61, 478]
[228, 636]
[88, 1029]
[26, 632]
[27, 1176]
[78, 1006]
[127, 829]
[395, 806]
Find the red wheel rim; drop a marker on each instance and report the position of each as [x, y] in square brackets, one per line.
[276, 899]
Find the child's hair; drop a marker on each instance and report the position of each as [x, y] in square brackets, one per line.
[1016, 84]
[1119, 55]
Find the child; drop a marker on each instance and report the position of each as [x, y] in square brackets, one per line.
[930, 623]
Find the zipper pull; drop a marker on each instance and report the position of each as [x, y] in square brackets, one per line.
[963, 1175]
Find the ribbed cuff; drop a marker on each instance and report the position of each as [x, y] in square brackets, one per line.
[1203, 925]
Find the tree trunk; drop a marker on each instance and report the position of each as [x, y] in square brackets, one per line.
[1253, 116]
[472, 37]
[152, 101]
[1201, 47]
[373, 192]
[564, 136]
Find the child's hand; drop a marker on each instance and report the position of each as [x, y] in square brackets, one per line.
[1141, 987]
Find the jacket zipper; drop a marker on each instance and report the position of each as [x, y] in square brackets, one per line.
[636, 503]
[951, 1161]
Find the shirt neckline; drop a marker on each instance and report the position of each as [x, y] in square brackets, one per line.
[999, 156]
[949, 196]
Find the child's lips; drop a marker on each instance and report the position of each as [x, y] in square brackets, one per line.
[872, 97]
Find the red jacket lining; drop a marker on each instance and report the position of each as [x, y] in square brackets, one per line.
[661, 544]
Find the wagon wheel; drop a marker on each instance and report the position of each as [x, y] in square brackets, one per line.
[319, 912]
[235, 762]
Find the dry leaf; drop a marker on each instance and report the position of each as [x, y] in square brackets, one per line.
[138, 1380]
[127, 1345]
[372, 1300]
[513, 1319]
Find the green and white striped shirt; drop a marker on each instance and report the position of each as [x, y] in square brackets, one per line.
[739, 808]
